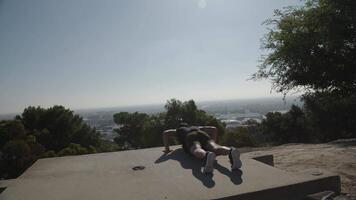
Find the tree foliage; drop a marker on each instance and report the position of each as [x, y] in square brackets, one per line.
[57, 127]
[40, 132]
[139, 130]
[17, 149]
[73, 149]
[239, 137]
[330, 116]
[288, 127]
[312, 47]
[131, 128]
[188, 112]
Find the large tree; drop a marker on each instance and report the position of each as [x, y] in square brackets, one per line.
[57, 127]
[312, 47]
[131, 128]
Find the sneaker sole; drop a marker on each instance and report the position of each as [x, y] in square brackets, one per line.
[235, 154]
[209, 166]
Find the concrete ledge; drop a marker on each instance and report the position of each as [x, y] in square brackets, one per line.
[173, 176]
[296, 191]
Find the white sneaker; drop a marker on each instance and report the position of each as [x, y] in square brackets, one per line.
[208, 164]
[234, 157]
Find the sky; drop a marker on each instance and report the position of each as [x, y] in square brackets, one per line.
[105, 53]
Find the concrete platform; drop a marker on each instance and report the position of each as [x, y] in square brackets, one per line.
[175, 176]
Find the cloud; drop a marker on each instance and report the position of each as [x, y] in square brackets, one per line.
[202, 3]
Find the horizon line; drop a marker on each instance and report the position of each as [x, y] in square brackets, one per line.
[154, 104]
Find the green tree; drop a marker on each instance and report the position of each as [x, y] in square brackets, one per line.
[312, 47]
[131, 128]
[189, 112]
[239, 137]
[40, 132]
[57, 127]
[18, 148]
[16, 158]
[152, 131]
[139, 130]
[288, 127]
[294, 126]
[173, 115]
[330, 116]
[33, 118]
[271, 126]
[11, 129]
[177, 112]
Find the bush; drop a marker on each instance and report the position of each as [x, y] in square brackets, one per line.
[49, 154]
[56, 127]
[288, 127]
[16, 157]
[108, 146]
[73, 149]
[91, 149]
[238, 137]
[11, 129]
[40, 133]
[331, 116]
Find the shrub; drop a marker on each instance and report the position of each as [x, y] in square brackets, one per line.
[238, 137]
[73, 149]
[48, 154]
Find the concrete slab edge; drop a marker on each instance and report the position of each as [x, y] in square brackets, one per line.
[296, 191]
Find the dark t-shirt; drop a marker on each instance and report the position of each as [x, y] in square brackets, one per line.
[182, 132]
[187, 136]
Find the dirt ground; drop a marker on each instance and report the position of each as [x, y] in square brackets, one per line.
[338, 157]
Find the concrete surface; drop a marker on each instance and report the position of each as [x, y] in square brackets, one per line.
[174, 176]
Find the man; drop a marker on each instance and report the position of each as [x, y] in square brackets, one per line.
[200, 142]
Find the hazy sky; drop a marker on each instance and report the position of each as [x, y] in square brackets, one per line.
[102, 53]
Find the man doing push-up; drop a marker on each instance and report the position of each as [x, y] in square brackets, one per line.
[200, 142]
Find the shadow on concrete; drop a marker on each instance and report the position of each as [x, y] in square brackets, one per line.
[235, 175]
[189, 162]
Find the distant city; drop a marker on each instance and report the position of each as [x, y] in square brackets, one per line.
[232, 112]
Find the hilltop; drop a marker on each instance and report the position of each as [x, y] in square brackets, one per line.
[338, 157]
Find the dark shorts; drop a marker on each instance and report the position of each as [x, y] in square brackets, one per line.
[196, 137]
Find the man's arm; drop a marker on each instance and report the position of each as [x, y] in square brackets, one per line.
[166, 135]
[211, 130]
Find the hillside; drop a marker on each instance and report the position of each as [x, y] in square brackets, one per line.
[338, 157]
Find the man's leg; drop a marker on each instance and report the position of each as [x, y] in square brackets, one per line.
[207, 157]
[197, 151]
[217, 149]
[234, 154]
